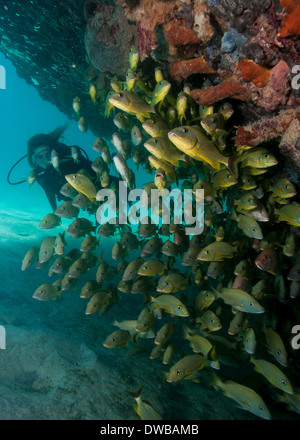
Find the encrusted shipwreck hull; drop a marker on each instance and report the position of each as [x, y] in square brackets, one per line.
[247, 48]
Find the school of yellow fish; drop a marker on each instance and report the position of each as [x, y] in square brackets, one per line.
[210, 302]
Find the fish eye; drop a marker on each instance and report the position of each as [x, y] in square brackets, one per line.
[177, 372]
[283, 382]
[266, 155]
[121, 95]
[185, 130]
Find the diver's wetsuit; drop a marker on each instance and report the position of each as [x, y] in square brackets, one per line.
[52, 181]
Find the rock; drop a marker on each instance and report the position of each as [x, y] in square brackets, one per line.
[108, 39]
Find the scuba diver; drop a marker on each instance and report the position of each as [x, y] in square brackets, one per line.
[43, 153]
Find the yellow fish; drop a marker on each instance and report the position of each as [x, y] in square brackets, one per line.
[191, 141]
[247, 399]
[186, 367]
[217, 251]
[83, 185]
[273, 374]
[131, 103]
[289, 213]
[162, 148]
[143, 408]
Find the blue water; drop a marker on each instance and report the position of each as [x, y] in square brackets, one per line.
[54, 365]
[23, 114]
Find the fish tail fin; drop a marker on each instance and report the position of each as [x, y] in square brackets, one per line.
[136, 393]
[186, 331]
[216, 382]
[148, 299]
[233, 165]
[189, 160]
[233, 215]
[212, 355]
[135, 338]
[215, 292]
[169, 262]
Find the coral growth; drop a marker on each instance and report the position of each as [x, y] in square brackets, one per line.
[285, 125]
[177, 34]
[277, 91]
[202, 24]
[182, 69]
[253, 72]
[230, 87]
[148, 14]
[291, 21]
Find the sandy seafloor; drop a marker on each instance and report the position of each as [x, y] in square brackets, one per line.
[55, 367]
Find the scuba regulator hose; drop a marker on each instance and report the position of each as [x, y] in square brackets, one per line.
[25, 180]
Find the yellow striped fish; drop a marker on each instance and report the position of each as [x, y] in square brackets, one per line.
[275, 345]
[131, 103]
[168, 168]
[83, 185]
[160, 91]
[195, 144]
[247, 398]
[155, 127]
[283, 188]
[162, 148]
[275, 376]
[258, 158]
[204, 299]
[289, 214]
[164, 333]
[186, 367]
[223, 179]
[210, 321]
[143, 408]
[240, 300]
[170, 304]
[217, 251]
[198, 343]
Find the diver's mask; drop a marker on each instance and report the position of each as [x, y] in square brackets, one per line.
[41, 156]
